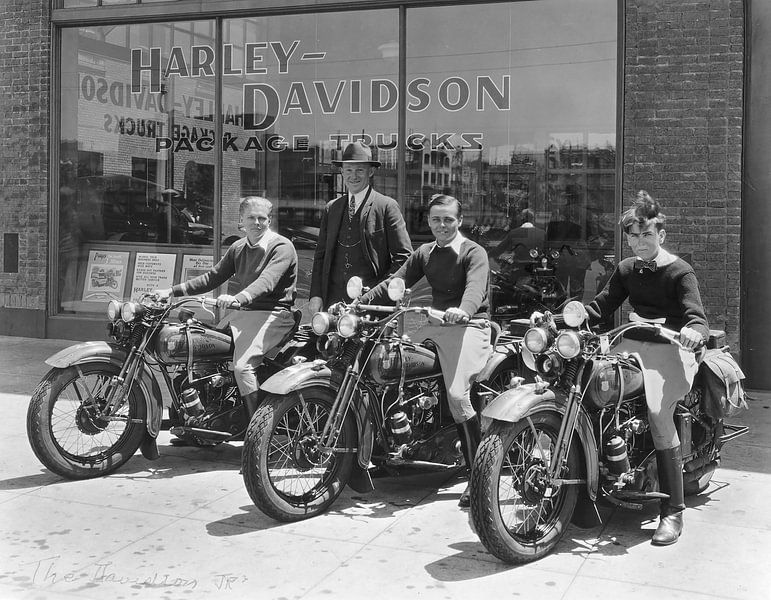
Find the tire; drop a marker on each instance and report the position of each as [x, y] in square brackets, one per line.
[285, 480]
[508, 461]
[64, 432]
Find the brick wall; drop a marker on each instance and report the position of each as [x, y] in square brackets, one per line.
[683, 134]
[24, 84]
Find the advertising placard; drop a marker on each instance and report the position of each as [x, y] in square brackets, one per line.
[105, 276]
[152, 271]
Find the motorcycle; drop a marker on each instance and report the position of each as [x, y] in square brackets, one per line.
[521, 287]
[101, 401]
[580, 432]
[374, 398]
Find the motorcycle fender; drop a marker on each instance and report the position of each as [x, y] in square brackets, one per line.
[104, 352]
[296, 376]
[494, 362]
[517, 403]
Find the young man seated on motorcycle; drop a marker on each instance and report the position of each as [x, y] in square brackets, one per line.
[457, 270]
[661, 288]
[264, 266]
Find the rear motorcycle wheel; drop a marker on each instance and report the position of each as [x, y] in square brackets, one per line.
[518, 515]
[67, 431]
[286, 474]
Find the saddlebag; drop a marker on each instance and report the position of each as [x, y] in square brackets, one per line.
[722, 380]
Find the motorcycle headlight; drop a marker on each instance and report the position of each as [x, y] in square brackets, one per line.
[396, 289]
[574, 313]
[555, 254]
[568, 344]
[130, 311]
[354, 287]
[533, 253]
[113, 310]
[321, 323]
[348, 325]
[536, 339]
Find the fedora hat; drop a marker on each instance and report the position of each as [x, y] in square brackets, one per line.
[357, 152]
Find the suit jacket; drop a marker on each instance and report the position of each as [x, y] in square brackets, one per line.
[385, 241]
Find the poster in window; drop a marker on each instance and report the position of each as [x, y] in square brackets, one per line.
[194, 265]
[152, 271]
[105, 276]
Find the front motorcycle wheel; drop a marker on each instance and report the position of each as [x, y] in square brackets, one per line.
[67, 429]
[518, 513]
[287, 475]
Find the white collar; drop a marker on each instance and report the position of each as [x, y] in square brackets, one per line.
[663, 258]
[263, 241]
[455, 244]
[359, 196]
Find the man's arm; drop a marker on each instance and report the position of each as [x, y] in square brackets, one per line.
[411, 271]
[397, 238]
[210, 280]
[608, 300]
[477, 276]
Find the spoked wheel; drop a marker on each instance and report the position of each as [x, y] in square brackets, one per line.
[287, 474]
[68, 429]
[518, 511]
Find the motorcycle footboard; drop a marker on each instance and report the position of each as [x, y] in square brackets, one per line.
[735, 432]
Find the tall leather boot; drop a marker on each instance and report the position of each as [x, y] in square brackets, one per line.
[470, 433]
[670, 466]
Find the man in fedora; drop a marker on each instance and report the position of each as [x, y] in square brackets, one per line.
[362, 233]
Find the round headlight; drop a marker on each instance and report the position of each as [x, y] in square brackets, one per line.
[396, 289]
[321, 323]
[354, 287]
[130, 311]
[536, 340]
[113, 310]
[533, 252]
[568, 344]
[574, 313]
[555, 254]
[348, 325]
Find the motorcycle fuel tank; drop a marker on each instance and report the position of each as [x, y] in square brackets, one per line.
[208, 344]
[385, 363]
[603, 384]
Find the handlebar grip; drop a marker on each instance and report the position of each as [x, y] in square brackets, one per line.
[377, 308]
[206, 301]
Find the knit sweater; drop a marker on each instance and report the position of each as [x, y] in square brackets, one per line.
[671, 292]
[265, 273]
[456, 280]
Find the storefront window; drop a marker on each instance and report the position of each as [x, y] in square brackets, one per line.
[511, 108]
[132, 216]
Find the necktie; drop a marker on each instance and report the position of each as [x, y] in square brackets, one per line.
[641, 265]
[351, 207]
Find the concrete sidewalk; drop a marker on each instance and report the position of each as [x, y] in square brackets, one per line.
[183, 527]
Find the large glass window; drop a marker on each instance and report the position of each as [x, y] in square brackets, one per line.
[132, 214]
[511, 107]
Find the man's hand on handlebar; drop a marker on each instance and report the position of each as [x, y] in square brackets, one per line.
[456, 315]
[690, 338]
[227, 301]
